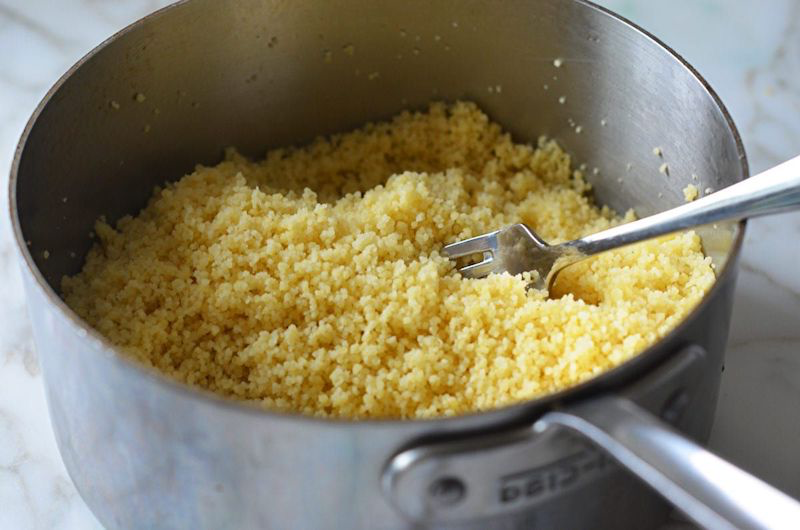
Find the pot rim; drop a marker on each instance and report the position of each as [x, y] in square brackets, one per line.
[637, 363]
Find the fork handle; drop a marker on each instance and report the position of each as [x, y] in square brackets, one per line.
[772, 191]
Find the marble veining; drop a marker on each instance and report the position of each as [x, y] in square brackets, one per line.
[750, 53]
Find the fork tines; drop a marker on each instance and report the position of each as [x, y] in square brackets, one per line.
[485, 244]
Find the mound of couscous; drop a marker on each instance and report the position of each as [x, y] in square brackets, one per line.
[313, 282]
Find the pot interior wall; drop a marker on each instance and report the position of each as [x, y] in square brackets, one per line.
[206, 75]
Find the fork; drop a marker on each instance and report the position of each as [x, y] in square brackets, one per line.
[517, 248]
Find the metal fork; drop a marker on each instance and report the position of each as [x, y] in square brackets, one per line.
[517, 248]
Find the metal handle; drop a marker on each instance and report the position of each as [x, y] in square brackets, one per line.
[714, 493]
[498, 472]
[772, 191]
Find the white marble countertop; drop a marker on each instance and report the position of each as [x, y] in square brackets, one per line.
[749, 51]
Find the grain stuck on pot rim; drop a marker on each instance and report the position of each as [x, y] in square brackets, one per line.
[313, 282]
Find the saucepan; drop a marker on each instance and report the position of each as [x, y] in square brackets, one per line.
[175, 88]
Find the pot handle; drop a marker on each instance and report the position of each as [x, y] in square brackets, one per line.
[709, 490]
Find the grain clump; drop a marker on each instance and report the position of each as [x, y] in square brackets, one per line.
[313, 282]
[690, 192]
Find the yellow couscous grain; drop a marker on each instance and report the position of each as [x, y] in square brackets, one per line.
[690, 192]
[313, 282]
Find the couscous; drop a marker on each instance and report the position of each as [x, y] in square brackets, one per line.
[313, 282]
[690, 192]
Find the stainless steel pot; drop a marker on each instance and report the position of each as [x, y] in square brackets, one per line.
[177, 87]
